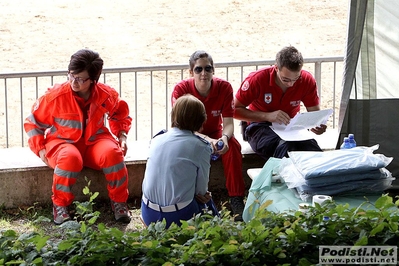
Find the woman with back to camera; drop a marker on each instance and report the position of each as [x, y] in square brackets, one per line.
[175, 185]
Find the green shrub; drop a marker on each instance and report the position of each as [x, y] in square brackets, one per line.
[290, 238]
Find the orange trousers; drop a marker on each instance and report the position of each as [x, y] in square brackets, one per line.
[68, 160]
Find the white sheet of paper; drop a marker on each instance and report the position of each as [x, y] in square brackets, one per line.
[298, 127]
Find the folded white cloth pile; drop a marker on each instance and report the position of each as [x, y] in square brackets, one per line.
[356, 171]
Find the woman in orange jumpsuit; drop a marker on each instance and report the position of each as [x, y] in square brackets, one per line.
[67, 130]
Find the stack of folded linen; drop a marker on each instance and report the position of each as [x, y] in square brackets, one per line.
[356, 171]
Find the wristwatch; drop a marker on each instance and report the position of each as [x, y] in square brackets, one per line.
[123, 134]
[227, 136]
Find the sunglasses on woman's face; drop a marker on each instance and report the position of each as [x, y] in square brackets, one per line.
[198, 69]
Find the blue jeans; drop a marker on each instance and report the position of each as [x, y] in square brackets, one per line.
[149, 215]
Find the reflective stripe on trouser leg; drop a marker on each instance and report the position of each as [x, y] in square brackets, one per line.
[62, 186]
[67, 163]
[117, 178]
[106, 155]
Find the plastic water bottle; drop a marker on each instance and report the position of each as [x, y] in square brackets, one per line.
[219, 146]
[352, 141]
[345, 144]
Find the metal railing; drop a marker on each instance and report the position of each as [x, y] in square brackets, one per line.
[147, 90]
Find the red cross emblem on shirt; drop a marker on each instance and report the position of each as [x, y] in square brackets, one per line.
[268, 98]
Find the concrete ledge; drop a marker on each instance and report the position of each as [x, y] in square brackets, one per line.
[25, 179]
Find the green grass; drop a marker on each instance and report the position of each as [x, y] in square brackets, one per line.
[38, 217]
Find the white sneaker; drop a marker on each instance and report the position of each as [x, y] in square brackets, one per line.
[60, 214]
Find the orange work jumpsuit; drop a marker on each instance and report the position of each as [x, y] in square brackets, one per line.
[73, 139]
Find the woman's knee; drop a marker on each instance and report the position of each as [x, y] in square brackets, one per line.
[70, 158]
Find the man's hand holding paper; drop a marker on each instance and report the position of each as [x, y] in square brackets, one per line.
[319, 130]
[299, 126]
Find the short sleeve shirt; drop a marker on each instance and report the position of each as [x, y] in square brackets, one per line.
[260, 92]
[218, 103]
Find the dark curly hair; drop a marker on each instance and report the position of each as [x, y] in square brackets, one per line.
[88, 60]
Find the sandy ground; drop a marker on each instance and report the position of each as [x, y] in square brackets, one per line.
[41, 35]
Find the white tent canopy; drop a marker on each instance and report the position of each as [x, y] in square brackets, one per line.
[370, 97]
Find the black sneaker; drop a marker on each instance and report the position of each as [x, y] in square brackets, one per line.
[237, 207]
[60, 214]
[121, 212]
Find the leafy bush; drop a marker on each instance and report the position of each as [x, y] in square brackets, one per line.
[290, 238]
